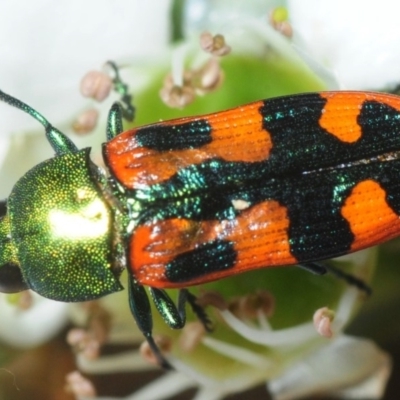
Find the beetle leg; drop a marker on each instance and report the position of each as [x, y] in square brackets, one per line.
[114, 121]
[350, 279]
[141, 311]
[315, 268]
[197, 309]
[321, 269]
[127, 109]
[175, 316]
[121, 109]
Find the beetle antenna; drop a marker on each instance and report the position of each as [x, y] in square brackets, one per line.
[58, 140]
[127, 109]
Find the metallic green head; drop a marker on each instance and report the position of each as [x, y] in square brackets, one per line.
[57, 230]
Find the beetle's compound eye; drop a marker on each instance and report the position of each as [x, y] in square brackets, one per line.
[11, 280]
[62, 230]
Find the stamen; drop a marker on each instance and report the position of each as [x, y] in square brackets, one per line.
[85, 343]
[237, 353]
[178, 65]
[22, 300]
[176, 96]
[96, 85]
[128, 361]
[345, 307]
[212, 298]
[214, 45]
[282, 337]
[278, 18]
[88, 341]
[181, 86]
[249, 306]
[80, 386]
[322, 321]
[192, 334]
[208, 78]
[86, 122]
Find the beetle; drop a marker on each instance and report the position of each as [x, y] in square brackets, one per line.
[284, 181]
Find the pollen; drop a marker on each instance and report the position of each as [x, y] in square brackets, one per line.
[215, 45]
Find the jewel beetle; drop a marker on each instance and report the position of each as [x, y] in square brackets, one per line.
[284, 181]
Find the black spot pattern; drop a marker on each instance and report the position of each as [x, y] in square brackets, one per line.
[214, 256]
[188, 135]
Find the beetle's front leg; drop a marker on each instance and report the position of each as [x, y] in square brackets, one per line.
[175, 316]
[141, 311]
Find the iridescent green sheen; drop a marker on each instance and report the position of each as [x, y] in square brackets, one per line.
[61, 230]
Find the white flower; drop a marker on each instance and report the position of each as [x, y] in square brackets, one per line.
[245, 350]
[28, 325]
[357, 41]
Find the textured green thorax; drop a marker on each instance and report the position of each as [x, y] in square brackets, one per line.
[62, 230]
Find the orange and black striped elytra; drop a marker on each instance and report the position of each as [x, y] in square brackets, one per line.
[284, 181]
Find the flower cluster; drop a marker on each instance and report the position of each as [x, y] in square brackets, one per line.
[283, 328]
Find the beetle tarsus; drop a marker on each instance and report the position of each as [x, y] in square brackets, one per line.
[315, 268]
[350, 279]
[321, 269]
[199, 311]
[163, 363]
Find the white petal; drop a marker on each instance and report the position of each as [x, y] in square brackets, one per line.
[45, 49]
[358, 40]
[28, 328]
[212, 14]
[343, 364]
